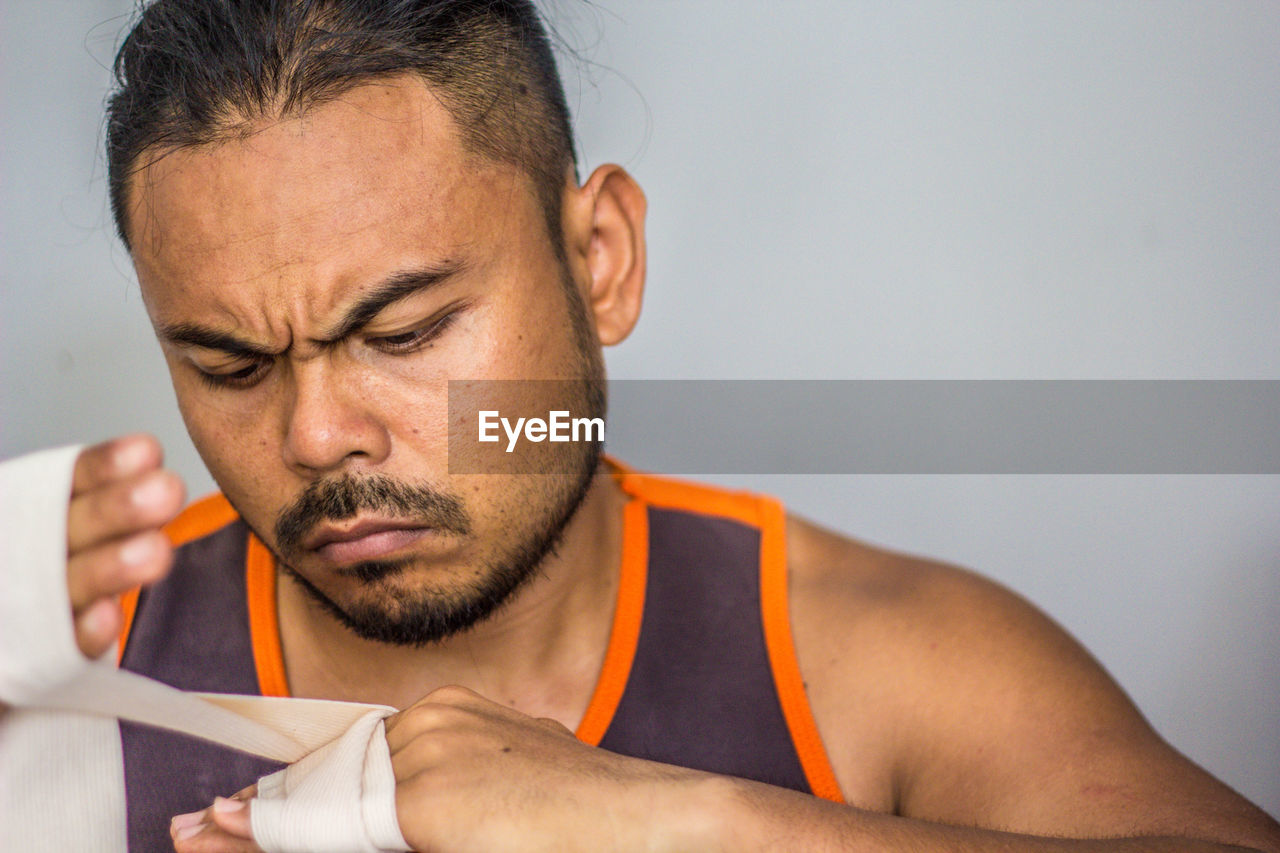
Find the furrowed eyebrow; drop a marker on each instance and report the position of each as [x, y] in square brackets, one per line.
[392, 289]
[395, 287]
[189, 334]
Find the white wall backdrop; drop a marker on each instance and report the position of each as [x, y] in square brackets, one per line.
[847, 190]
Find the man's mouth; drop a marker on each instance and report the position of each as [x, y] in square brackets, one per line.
[364, 540]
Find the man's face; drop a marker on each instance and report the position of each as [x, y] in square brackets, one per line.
[315, 284]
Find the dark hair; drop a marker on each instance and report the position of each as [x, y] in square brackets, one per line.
[192, 72]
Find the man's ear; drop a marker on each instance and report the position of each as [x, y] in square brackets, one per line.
[605, 230]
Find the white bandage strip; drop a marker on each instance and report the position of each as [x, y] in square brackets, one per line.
[282, 817]
[337, 795]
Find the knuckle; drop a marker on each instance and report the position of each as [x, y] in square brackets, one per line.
[94, 462]
[145, 499]
[553, 725]
[156, 490]
[418, 756]
[144, 554]
[116, 459]
[114, 567]
[132, 453]
[429, 717]
[409, 724]
[111, 505]
[451, 694]
[427, 720]
[119, 507]
[96, 627]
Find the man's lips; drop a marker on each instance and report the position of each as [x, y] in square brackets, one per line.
[365, 540]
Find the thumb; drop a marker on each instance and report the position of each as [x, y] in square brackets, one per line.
[232, 816]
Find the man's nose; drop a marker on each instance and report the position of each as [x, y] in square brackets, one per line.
[329, 423]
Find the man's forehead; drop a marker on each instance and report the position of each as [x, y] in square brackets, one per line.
[381, 167]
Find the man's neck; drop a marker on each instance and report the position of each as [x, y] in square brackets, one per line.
[540, 653]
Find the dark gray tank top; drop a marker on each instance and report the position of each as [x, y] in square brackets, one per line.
[700, 690]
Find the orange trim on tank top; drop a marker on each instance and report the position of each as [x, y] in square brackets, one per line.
[264, 626]
[625, 635]
[128, 607]
[782, 656]
[769, 517]
[201, 518]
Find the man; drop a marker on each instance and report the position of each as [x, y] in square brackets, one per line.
[336, 207]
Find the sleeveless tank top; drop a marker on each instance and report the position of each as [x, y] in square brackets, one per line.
[700, 670]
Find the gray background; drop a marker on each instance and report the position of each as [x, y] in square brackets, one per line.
[848, 190]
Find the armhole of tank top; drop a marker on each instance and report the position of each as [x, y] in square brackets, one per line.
[204, 516]
[782, 655]
[264, 623]
[624, 636]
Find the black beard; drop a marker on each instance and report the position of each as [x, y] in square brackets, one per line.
[417, 618]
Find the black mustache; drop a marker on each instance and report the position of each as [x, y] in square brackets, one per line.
[345, 497]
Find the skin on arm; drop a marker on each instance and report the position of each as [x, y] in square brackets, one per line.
[980, 711]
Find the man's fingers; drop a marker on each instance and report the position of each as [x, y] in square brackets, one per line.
[210, 838]
[98, 626]
[222, 828]
[117, 566]
[120, 508]
[117, 459]
[232, 817]
[96, 576]
[119, 500]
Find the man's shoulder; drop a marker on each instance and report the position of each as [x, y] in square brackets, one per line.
[930, 628]
[915, 599]
[919, 667]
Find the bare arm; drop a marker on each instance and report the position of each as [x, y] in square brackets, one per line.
[758, 817]
[986, 714]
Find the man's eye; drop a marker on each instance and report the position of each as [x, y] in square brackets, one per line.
[412, 341]
[242, 378]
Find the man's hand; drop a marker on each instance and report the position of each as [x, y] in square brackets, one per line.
[120, 497]
[475, 775]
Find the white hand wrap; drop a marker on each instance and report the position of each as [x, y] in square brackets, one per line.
[61, 776]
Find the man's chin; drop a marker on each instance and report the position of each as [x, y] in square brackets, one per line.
[397, 602]
[388, 608]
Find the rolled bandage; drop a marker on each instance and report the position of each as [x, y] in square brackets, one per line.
[61, 768]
